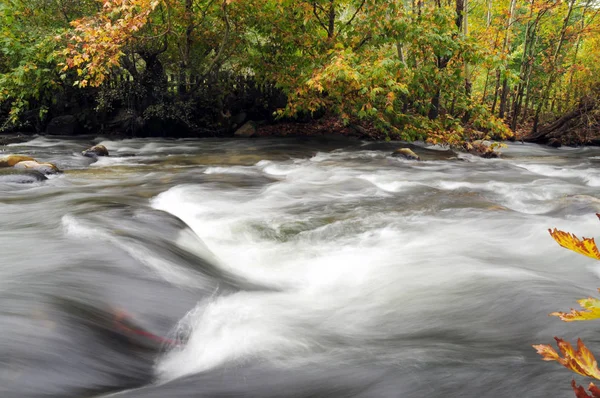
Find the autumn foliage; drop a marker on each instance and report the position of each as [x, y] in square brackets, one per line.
[451, 72]
[580, 360]
[95, 43]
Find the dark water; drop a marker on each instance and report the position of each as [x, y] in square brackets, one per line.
[291, 268]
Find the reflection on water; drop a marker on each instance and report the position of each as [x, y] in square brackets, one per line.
[290, 268]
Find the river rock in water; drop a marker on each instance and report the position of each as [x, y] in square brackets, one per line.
[95, 151]
[44, 168]
[405, 153]
[21, 176]
[13, 139]
[11, 160]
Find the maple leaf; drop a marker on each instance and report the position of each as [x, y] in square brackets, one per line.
[580, 361]
[580, 391]
[591, 310]
[587, 246]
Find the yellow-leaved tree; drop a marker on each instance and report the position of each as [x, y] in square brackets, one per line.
[580, 360]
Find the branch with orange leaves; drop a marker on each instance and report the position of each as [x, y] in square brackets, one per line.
[582, 360]
[95, 43]
[580, 391]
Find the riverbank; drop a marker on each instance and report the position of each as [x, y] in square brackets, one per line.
[323, 127]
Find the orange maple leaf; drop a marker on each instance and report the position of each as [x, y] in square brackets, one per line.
[581, 361]
[591, 310]
[580, 391]
[587, 246]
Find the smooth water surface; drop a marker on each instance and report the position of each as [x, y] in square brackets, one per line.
[292, 268]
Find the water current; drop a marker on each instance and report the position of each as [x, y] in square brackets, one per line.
[291, 267]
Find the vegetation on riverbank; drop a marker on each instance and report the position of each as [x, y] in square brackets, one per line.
[444, 71]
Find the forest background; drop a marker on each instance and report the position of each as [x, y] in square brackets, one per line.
[449, 72]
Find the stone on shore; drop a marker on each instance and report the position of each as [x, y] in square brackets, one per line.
[246, 131]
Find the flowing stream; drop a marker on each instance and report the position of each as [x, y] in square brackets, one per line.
[291, 268]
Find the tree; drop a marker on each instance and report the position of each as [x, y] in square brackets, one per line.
[427, 69]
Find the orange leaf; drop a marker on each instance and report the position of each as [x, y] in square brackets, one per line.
[587, 246]
[591, 311]
[581, 361]
[580, 391]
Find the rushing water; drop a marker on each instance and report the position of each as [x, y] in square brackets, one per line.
[291, 268]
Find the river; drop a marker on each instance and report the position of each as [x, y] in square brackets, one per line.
[291, 267]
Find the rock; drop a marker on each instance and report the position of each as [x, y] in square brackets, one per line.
[247, 130]
[13, 139]
[405, 153]
[21, 176]
[63, 125]
[554, 143]
[11, 160]
[481, 149]
[126, 121]
[95, 151]
[44, 168]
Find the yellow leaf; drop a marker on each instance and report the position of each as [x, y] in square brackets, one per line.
[587, 246]
[591, 310]
[581, 361]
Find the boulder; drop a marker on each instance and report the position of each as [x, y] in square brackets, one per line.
[95, 151]
[44, 168]
[13, 139]
[405, 153]
[11, 160]
[480, 148]
[247, 130]
[21, 176]
[126, 121]
[63, 125]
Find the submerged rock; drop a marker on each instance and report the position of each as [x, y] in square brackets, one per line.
[11, 160]
[405, 153]
[95, 151]
[44, 168]
[21, 176]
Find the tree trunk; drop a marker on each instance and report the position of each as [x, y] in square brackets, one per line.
[505, 45]
[542, 134]
[525, 70]
[468, 84]
[556, 62]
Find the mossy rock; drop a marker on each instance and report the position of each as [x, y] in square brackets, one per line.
[405, 153]
[248, 130]
[95, 151]
[44, 168]
[11, 160]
